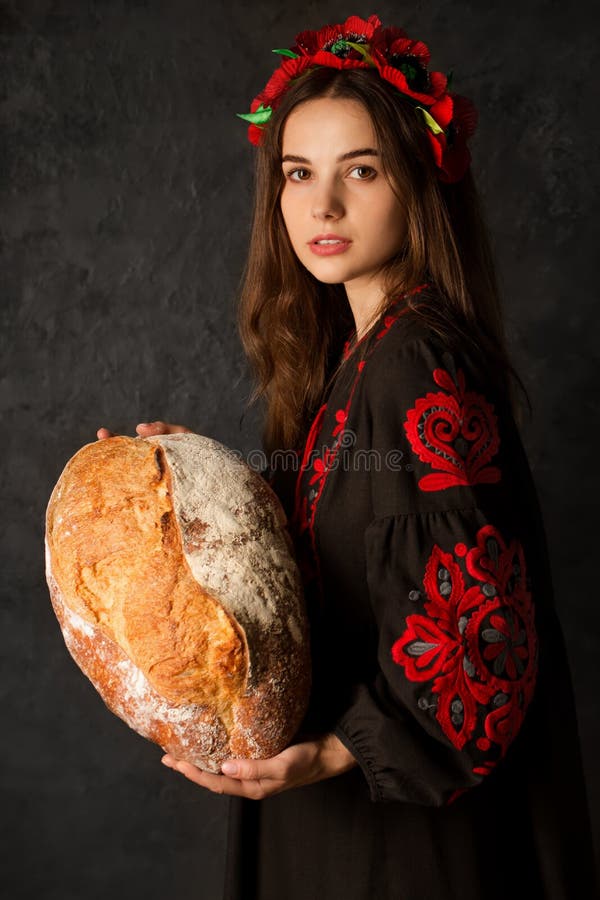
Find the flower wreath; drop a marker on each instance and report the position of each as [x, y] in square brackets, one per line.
[360, 44]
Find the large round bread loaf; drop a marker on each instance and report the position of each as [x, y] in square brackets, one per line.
[173, 578]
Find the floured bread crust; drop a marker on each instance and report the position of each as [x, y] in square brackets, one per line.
[172, 576]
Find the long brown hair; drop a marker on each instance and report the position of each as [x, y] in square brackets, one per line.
[292, 326]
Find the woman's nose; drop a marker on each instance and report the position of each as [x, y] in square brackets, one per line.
[326, 203]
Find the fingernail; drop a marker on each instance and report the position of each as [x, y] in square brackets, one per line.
[229, 768]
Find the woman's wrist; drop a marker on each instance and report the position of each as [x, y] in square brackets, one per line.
[334, 756]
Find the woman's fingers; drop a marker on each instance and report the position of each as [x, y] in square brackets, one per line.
[147, 428]
[254, 788]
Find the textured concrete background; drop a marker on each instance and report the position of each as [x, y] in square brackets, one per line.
[124, 214]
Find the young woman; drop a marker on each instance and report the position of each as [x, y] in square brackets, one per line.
[439, 757]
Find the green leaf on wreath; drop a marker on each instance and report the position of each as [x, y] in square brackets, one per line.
[289, 53]
[430, 121]
[363, 50]
[262, 115]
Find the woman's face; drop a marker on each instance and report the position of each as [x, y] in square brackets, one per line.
[327, 194]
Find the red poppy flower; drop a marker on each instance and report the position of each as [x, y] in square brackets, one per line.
[405, 63]
[280, 80]
[442, 110]
[255, 134]
[333, 61]
[455, 157]
[354, 29]
[385, 38]
[398, 79]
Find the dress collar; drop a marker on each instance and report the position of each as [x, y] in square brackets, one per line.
[389, 315]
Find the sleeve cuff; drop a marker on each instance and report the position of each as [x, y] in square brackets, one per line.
[365, 765]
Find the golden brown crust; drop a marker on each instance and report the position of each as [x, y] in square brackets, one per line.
[165, 654]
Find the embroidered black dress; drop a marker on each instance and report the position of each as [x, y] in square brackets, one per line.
[438, 658]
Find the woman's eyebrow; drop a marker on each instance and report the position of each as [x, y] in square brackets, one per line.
[366, 151]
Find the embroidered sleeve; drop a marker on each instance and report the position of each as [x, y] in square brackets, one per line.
[455, 432]
[448, 572]
[437, 428]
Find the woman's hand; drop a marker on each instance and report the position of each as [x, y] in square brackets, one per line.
[145, 429]
[304, 763]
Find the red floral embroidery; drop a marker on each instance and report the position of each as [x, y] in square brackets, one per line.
[387, 324]
[301, 506]
[314, 469]
[456, 432]
[476, 646]
[340, 417]
[318, 468]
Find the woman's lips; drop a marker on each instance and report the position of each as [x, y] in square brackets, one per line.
[329, 249]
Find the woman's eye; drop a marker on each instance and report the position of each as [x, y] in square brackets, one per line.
[293, 172]
[368, 169]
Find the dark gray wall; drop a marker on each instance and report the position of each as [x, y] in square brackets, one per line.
[124, 216]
